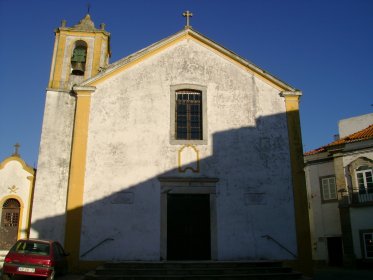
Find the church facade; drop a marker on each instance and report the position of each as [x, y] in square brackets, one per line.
[180, 151]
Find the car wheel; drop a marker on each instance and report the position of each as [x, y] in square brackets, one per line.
[65, 270]
[6, 277]
[52, 276]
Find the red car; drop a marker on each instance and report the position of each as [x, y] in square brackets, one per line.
[34, 257]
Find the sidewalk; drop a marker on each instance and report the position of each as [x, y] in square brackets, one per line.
[340, 273]
[328, 273]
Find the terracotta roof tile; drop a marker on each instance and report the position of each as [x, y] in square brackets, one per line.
[364, 134]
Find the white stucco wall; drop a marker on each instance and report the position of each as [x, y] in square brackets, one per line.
[129, 148]
[48, 215]
[324, 216]
[352, 125]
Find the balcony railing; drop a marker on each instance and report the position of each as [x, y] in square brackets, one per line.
[356, 199]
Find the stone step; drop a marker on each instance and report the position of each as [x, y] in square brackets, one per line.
[204, 270]
[192, 264]
[268, 276]
[190, 271]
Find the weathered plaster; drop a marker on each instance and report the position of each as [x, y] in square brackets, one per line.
[53, 166]
[324, 217]
[129, 148]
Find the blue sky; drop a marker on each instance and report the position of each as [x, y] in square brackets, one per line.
[324, 48]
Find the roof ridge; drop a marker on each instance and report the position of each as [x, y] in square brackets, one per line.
[363, 134]
[199, 37]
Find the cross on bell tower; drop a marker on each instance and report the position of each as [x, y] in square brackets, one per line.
[187, 15]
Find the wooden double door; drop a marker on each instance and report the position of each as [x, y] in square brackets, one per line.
[188, 227]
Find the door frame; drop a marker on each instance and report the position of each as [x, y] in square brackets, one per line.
[188, 186]
[330, 243]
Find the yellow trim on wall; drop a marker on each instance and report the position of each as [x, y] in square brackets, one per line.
[61, 53]
[135, 62]
[230, 58]
[74, 206]
[96, 55]
[25, 166]
[189, 35]
[304, 261]
[30, 170]
[183, 170]
[30, 204]
[59, 56]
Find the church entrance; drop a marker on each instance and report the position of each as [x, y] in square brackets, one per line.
[188, 227]
[9, 223]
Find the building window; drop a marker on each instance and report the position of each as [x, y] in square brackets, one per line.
[367, 242]
[328, 188]
[364, 179]
[188, 114]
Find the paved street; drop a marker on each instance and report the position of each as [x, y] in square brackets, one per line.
[320, 274]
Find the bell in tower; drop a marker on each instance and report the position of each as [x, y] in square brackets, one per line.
[78, 59]
[80, 52]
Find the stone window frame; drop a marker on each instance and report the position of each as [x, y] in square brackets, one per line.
[173, 90]
[362, 243]
[323, 199]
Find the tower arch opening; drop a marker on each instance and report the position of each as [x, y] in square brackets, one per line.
[78, 58]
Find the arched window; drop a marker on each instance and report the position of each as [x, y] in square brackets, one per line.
[78, 59]
[9, 223]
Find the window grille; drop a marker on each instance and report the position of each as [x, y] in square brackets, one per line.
[10, 214]
[188, 115]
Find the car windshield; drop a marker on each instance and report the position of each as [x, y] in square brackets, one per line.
[31, 247]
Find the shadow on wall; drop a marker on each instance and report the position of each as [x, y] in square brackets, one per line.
[248, 181]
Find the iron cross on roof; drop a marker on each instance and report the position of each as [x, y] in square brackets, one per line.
[187, 15]
[16, 149]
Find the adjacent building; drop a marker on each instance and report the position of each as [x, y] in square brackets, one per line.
[340, 192]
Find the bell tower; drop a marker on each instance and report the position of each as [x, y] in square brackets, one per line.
[79, 53]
